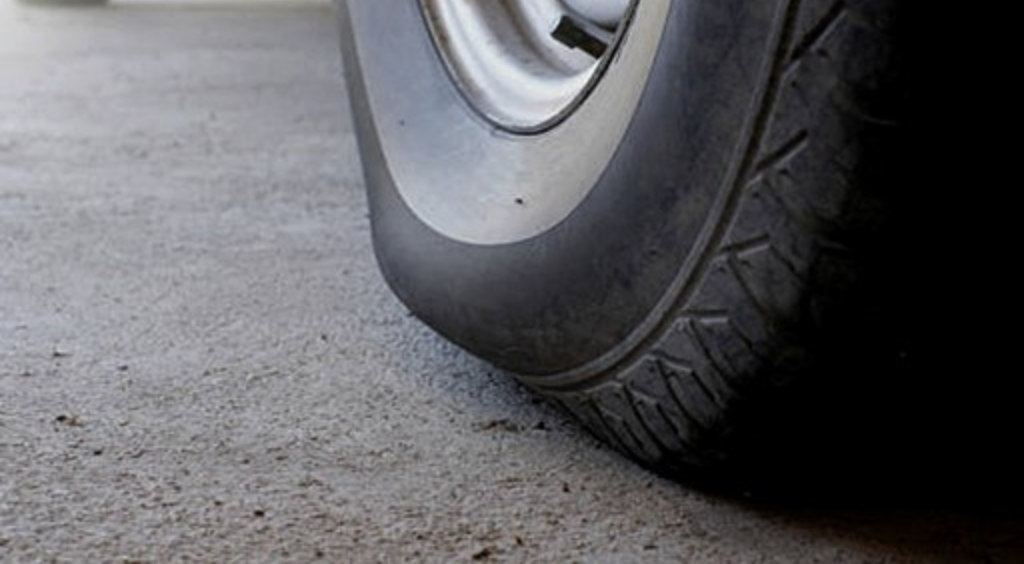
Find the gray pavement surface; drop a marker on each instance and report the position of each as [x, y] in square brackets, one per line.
[200, 362]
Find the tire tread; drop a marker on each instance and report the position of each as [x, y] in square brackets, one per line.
[754, 310]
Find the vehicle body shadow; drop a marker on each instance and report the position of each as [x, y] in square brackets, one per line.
[919, 463]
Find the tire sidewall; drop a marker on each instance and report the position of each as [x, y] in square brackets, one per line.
[580, 295]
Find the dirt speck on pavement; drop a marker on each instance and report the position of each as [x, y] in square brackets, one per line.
[199, 360]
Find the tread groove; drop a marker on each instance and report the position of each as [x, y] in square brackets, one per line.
[745, 287]
[726, 375]
[662, 357]
[607, 430]
[747, 342]
[825, 26]
[707, 315]
[748, 247]
[699, 381]
[672, 384]
[638, 449]
[779, 157]
[633, 398]
[676, 430]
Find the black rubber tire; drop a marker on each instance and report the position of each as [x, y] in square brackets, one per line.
[728, 246]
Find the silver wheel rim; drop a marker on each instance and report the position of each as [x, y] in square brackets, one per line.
[526, 64]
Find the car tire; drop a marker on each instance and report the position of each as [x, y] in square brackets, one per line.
[679, 249]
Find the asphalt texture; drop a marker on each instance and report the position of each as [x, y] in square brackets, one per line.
[200, 362]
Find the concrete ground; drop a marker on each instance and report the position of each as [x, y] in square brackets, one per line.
[200, 362]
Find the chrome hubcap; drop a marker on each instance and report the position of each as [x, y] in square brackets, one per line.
[526, 64]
